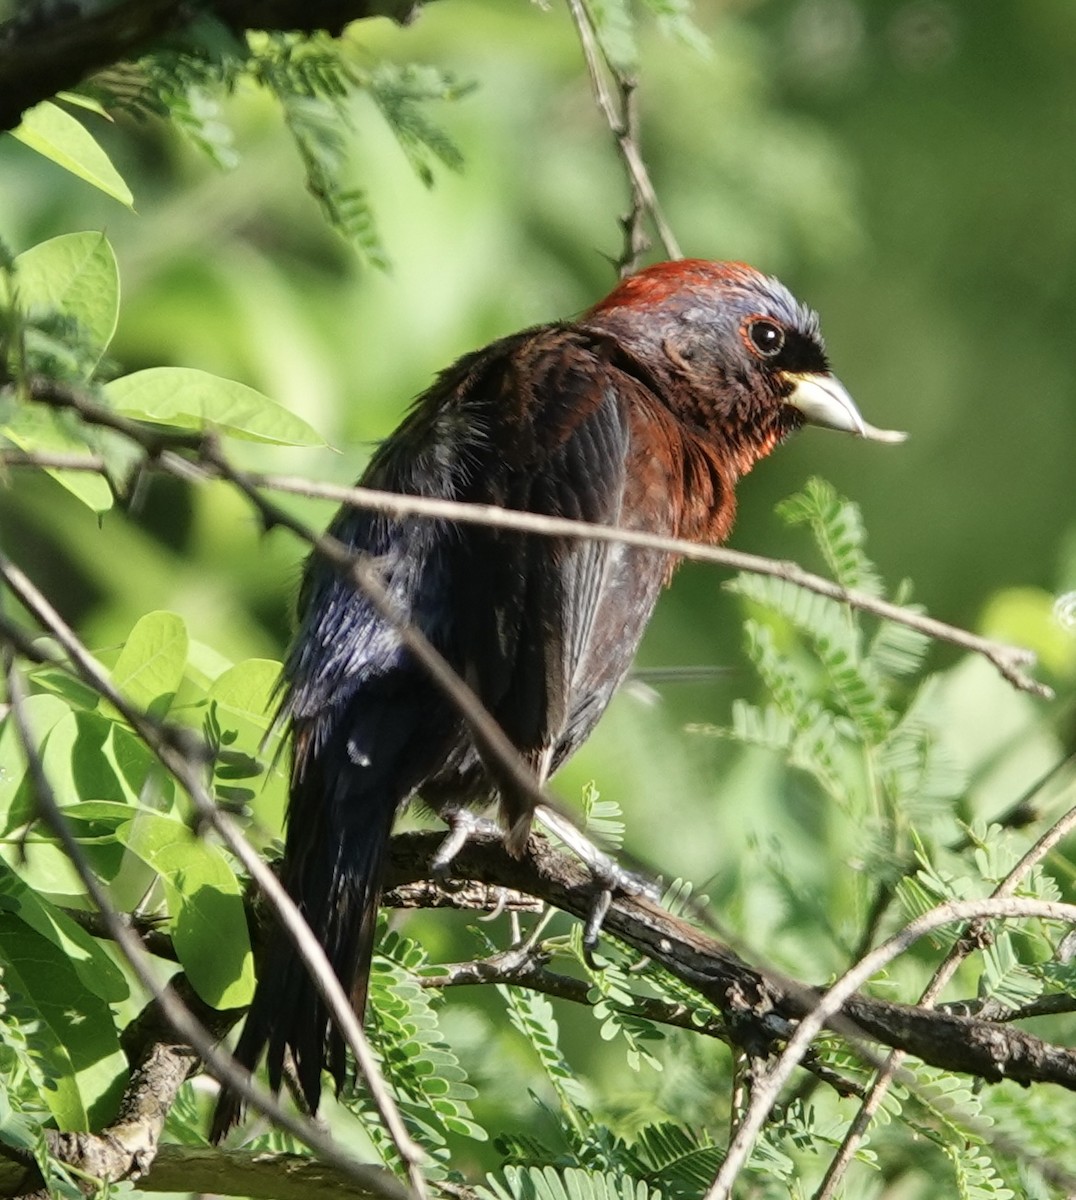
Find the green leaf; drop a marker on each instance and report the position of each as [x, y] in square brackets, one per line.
[16, 799]
[569, 1183]
[86, 102]
[36, 429]
[245, 692]
[75, 275]
[72, 281]
[150, 666]
[95, 969]
[75, 1036]
[205, 901]
[425, 1075]
[402, 92]
[59, 136]
[838, 528]
[89, 757]
[190, 399]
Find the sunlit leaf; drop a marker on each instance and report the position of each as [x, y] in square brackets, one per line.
[75, 1035]
[190, 399]
[42, 713]
[75, 275]
[150, 666]
[205, 901]
[59, 136]
[36, 430]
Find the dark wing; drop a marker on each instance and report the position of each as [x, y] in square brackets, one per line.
[540, 422]
[557, 421]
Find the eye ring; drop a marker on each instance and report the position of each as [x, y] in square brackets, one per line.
[765, 337]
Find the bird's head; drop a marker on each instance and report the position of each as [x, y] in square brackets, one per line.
[736, 355]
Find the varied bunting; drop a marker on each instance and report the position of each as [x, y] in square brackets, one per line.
[641, 414]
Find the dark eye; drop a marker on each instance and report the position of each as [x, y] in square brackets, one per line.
[766, 337]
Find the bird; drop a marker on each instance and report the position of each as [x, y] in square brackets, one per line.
[643, 413]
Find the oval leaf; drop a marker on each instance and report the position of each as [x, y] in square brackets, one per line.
[95, 969]
[57, 135]
[75, 1035]
[17, 800]
[190, 399]
[209, 926]
[33, 429]
[150, 666]
[76, 275]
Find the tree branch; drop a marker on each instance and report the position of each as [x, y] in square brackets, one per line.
[524, 967]
[763, 999]
[50, 47]
[207, 1170]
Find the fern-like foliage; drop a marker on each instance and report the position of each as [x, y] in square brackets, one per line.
[679, 1162]
[316, 80]
[615, 24]
[425, 1075]
[402, 93]
[571, 1183]
[839, 705]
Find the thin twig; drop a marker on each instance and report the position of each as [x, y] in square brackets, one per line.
[624, 126]
[965, 945]
[1010, 661]
[154, 940]
[833, 999]
[58, 460]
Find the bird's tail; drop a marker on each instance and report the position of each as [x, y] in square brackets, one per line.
[334, 866]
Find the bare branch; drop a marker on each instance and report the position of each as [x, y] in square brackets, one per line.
[468, 897]
[764, 999]
[525, 967]
[1010, 661]
[205, 1170]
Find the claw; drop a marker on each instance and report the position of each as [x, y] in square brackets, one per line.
[498, 908]
[609, 877]
[462, 826]
[593, 927]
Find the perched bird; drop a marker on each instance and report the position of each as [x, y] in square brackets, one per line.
[641, 414]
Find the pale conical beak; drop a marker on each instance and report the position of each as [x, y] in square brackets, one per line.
[824, 401]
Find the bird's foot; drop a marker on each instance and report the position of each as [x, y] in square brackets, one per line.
[463, 825]
[610, 878]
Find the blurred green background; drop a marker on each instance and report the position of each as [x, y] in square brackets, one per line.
[906, 168]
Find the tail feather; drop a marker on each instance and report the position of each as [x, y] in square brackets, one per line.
[334, 874]
[355, 762]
